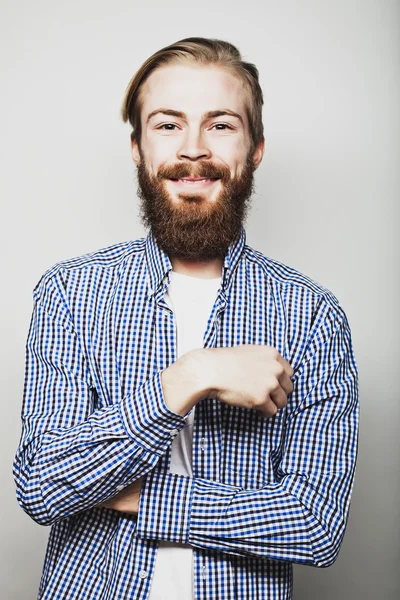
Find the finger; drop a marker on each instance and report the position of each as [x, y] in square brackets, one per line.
[287, 366]
[286, 383]
[279, 397]
[268, 409]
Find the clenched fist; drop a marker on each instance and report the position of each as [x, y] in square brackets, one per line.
[248, 376]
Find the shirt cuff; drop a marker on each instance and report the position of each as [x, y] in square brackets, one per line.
[177, 508]
[164, 507]
[147, 419]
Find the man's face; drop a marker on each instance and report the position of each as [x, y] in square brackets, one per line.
[195, 169]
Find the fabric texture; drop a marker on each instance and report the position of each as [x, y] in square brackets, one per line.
[191, 299]
[264, 492]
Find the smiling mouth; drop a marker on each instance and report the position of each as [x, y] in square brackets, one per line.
[203, 181]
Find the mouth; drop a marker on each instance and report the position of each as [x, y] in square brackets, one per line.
[194, 181]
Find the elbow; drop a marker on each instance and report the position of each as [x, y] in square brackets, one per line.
[29, 497]
[324, 562]
[326, 550]
[33, 507]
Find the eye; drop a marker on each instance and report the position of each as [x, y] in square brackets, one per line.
[223, 125]
[170, 126]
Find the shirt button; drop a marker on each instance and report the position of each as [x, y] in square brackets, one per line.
[142, 574]
[174, 431]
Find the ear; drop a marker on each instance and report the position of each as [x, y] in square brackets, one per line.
[135, 150]
[258, 153]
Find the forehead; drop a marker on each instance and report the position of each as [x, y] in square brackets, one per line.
[193, 89]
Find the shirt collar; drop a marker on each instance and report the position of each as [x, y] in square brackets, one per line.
[159, 264]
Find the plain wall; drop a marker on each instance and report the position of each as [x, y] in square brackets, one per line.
[326, 203]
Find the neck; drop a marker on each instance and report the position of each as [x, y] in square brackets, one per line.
[210, 269]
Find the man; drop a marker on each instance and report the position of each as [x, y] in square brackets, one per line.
[191, 406]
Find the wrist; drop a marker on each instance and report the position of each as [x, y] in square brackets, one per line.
[185, 382]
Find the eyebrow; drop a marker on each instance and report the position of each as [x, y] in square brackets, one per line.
[208, 115]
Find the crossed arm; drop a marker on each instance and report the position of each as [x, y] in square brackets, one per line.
[73, 458]
[302, 516]
[255, 377]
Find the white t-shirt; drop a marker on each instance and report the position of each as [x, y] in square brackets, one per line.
[191, 299]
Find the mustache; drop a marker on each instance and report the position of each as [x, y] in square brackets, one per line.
[203, 169]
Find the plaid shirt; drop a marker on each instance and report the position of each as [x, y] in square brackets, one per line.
[264, 492]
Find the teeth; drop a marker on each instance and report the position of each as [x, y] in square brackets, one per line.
[193, 180]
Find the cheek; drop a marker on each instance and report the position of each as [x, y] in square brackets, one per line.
[157, 156]
[231, 154]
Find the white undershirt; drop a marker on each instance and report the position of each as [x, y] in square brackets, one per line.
[191, 299]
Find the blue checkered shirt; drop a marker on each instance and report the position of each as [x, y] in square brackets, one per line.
[264, 493]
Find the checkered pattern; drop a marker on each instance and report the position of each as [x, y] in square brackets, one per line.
[264, 492]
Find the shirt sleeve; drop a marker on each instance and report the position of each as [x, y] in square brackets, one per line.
[300, 517]
[73, 456]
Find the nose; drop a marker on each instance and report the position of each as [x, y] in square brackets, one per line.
[193, 146]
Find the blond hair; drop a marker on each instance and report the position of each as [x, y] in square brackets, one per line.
[205, 51]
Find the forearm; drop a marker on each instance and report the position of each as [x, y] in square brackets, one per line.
[66, 470]
[280, 521]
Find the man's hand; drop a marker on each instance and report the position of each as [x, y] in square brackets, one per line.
[249, 376]
[126, 501]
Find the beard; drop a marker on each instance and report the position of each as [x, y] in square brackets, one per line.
[195, 228]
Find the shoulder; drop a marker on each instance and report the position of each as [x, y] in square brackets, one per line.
[292, 285]
[106, 258]
[103, 262]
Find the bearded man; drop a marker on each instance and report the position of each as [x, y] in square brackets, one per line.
[191, 406]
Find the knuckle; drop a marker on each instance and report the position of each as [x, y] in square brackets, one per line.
[280, 370]
[275, 353]
[258, 401]
[274, 385]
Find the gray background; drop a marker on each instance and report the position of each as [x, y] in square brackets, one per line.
[325, 204]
